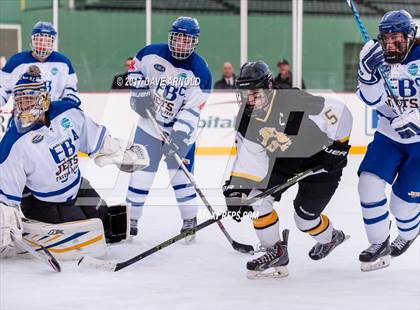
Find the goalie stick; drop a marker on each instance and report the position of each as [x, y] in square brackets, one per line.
[243, 248]
[365, 37]
[94, 263]
[48, 258]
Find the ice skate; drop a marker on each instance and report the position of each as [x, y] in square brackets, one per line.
[189, 224]
[377, 256]
[400, 245]
[320, 250]
[273, 263]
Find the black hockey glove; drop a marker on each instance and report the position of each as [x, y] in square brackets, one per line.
[334, 157]
[235, 192]
[140, 101]
[178, 144]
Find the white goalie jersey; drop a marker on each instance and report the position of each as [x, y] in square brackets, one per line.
[44, 160]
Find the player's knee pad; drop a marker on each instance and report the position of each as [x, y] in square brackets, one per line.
[371, 188]
[407, 216]
[67, 241]
[117, 223]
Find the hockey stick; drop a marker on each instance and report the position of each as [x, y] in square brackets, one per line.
[296, 178]
[94, 263]
[47, 258]
[243, 248]
[365, 37]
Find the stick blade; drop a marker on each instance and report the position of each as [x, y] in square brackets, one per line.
[94, 263]
[243, 248]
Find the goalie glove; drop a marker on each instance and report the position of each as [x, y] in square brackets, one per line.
[131, 158]
[407, 125]
[371, 58]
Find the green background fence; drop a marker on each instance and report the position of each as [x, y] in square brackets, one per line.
[97, 42]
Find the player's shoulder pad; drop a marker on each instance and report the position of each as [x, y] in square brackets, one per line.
[9, 139]
[159, 49]
[18, 59]
[61, 106]
[58, 57]
[200, 68]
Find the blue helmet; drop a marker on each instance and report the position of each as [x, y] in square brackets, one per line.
[397, 22]
[42, 39]
[44, 28]
[31, 99]
[183, 37]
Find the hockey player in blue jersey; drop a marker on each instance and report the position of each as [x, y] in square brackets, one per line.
[393, 156]
[56, 69]
[39, 165]
[173, 82]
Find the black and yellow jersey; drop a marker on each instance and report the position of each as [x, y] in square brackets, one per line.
[296, 126]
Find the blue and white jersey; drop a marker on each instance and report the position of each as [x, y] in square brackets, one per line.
[56, 70]
[44, 159]
[405, 80]
[178, 88]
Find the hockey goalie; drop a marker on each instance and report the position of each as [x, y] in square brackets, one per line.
[40, 176]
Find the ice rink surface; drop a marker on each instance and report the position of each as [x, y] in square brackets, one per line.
[209, 274]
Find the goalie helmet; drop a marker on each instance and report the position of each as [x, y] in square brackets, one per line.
[183, 37]
[397, 33]
[254, 86]
[42, 39]
[31, 99]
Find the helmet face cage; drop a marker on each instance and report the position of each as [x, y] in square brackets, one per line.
[254, 100]
[397, 34]
[42, 44]
[29, 104]
[181, 45]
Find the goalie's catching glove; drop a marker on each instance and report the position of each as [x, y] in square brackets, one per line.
[128, 159]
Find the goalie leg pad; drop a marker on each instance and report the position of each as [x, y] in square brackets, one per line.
[67, 241]
[118, 223]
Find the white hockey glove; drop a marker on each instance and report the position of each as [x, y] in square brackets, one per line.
[127, 157]
[407, 125]
[10, 223]
[371, 58]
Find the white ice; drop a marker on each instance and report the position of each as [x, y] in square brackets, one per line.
[210, 274]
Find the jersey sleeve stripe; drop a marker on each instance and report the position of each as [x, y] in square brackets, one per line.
[246, 176]
[367, 101]
[60, 191]
[100, 141]
[196, 114]
[71, 88]
[181, 121]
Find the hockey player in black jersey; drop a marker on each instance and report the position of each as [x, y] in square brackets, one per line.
[281, 133]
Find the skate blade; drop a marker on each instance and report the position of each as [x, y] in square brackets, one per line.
[273, 273]
[380, 263]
